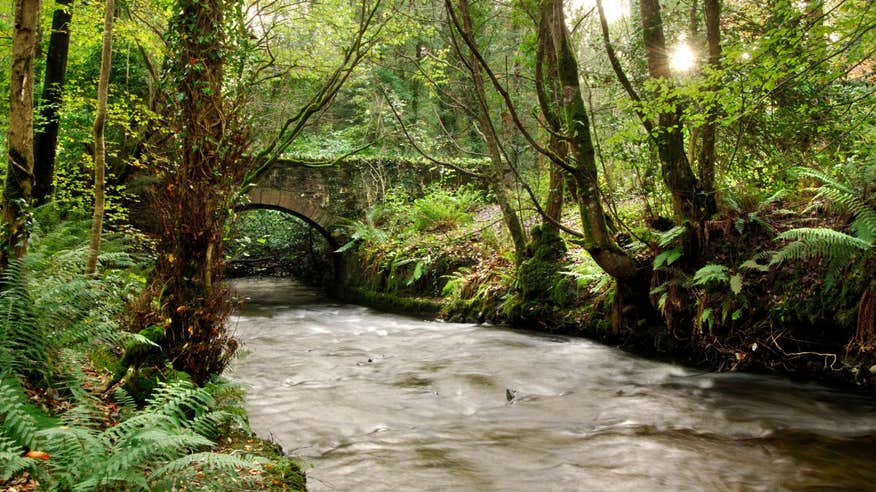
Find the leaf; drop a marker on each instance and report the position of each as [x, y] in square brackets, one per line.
[667, 257]
[736, 283]
[37, 455]
[711, 273]
[754, 265]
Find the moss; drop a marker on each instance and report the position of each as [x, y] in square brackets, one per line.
[539, 275]
[395, 303]
[283, 473]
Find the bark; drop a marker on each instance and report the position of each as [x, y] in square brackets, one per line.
[558, 61]
[549, 90]
[500, 178]
[17, 193]
[46, 138]
[554, 208]
[99, 142]
[707, 155]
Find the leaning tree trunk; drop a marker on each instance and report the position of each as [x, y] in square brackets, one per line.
[196, 192]
[557, 63]
[45, 143]
[499, 177]
[560, 62]
[17, 193]
[99, 141]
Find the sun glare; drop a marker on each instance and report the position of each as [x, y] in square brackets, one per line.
[682, 58]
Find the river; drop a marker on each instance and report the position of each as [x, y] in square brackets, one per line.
[372, 401]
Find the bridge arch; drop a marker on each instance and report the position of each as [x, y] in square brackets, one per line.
[304, 208]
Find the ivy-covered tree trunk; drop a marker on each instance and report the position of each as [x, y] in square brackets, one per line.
[196, 190]
[45, 143]
[17, 192]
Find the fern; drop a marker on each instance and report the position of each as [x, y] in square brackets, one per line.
[711, 273]
[205, 461]
[836, 247]
[18, 425]
[808, 243]
[141, 452]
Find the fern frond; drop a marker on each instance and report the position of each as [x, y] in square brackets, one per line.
[209, 423]
[15, 423]
[72, 450]
[670, 236]
[711, 273]
[147, 447]
[864, 225]
[11, 464]
[809, 242]
[178, 398]
[207, 461]
[124, 399]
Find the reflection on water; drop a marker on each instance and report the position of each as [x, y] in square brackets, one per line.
[375, 401]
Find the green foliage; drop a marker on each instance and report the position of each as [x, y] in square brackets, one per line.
[441, 210]
[835, 247]
[52, 320]
[711, 273]
[164, 443]
[365, 231]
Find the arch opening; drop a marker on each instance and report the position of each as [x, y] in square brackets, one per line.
[271, 240]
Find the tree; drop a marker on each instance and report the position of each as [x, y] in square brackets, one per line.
[690, 201]
[46, 137]
[99, 141]
[197, 188]
[206, 167]
[566, 114]
[17, 193]
[499, 177]
[707, 154]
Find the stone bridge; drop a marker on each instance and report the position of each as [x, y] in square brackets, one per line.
[324, 195]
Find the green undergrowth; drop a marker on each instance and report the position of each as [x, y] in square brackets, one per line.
[74, 417]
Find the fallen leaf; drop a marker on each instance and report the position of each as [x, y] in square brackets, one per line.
[37, 455]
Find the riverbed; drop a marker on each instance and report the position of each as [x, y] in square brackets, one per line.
[375, 401]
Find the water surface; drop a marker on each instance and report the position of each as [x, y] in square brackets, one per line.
[374, 401]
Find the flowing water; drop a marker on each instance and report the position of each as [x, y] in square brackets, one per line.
[374, 401]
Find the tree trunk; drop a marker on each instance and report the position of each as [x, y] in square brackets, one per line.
[99, 143]
[688, 201]
[708, 155]
[500, 178]
[198, 186]
[17, 193]
[560, 63]
[554, 208]
[46, 138]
